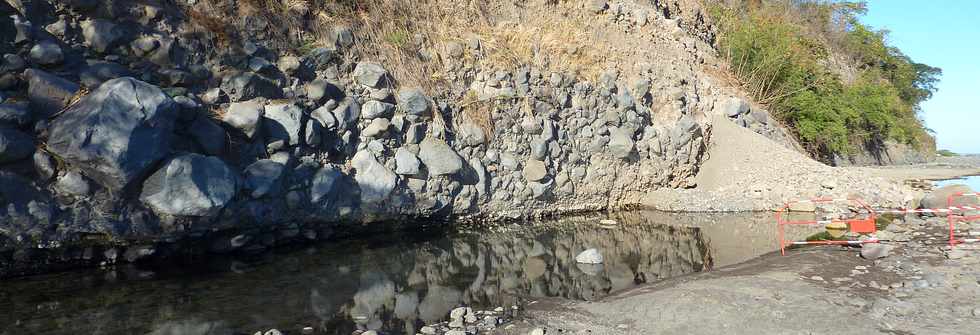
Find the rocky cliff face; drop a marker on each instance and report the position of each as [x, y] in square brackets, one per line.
[125, 136]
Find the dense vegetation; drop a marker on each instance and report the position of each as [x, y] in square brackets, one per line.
[834, 80]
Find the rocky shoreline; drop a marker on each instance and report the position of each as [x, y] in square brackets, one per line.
[125, 139]
[913, 282]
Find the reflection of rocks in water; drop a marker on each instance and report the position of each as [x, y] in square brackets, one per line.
[379, 284]
[191, 326]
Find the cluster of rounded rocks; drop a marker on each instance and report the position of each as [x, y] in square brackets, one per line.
[120, 124]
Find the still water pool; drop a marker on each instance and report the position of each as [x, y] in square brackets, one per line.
[390, 282]
[972, 181]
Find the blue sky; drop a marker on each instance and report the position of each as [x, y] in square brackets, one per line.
[945, 34]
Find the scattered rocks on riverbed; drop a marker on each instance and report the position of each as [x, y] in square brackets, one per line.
[466, 321]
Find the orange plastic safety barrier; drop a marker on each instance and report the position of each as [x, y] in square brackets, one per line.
[864, 225]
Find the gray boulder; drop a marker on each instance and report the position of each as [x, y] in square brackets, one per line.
[620, 144]
[72, 183]
[98, 72]
[325, 183]
[370, 74]
[377, 127]
[14, 114]
[48, 93]
[209, 135]
[374, 179]
[320, 89]
[939, 197]
[406, 163]
[589, 256]
[324, 115]
[101, 35]
[875, 251]
[535, 170]
[375, 109]
[347, 112]
[439, 158]
[245, 116]
[12, 63]
[47, 53]
[264, 178]
[44, 165]
[734, 107]
[190, 185]
[247, 86]
[15, 145]
[283, 121]
[116, 133]
[413, 101]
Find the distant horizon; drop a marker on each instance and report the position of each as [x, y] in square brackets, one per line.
[940, 36]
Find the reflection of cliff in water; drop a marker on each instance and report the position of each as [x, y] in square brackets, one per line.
[384, 283]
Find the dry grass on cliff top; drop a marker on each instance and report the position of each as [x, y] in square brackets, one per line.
[410, 37]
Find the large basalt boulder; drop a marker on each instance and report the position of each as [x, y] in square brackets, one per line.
[191, 185]
[116, 133]
[375, 180]
[439, 158]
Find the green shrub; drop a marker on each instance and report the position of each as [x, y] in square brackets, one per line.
[779, 54]
[947, 153]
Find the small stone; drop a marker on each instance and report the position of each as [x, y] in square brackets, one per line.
[101, 35]
[536, 331]
[875, 251]
[428, 330]
[245, 116]
[289, 64]
[377, 127]
[457, 313]
[47, 53]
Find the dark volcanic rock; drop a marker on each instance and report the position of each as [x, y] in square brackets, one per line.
[116, 133]
[191, 185]
[14, 145]
[48, 93]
